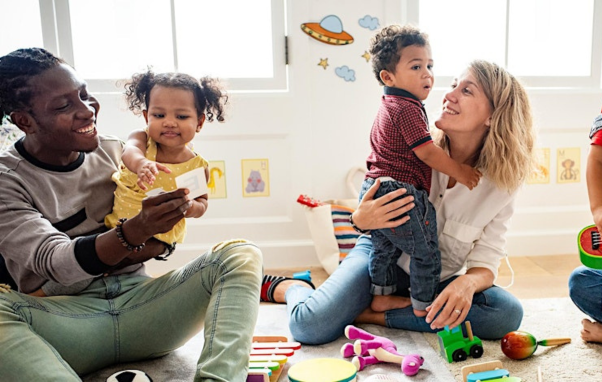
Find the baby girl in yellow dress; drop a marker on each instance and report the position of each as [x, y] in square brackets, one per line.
[175, 107]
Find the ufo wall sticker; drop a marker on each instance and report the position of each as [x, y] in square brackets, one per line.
[329, 31]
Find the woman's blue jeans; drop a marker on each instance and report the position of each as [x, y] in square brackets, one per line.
[320, 316]
[125, 319]
[585, 289]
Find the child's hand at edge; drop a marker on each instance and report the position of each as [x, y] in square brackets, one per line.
[594, 187]
[147, 171]
[597, 215]
[470, 176]
[198, 207]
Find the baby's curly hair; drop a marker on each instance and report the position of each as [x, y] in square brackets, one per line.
[209, 96]
[386, 46]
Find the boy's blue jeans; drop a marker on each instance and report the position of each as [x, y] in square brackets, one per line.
[125, 319]
[417, 237]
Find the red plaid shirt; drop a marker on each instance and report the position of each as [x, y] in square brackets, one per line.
[595, 134]
[597, 138]
[400, 127]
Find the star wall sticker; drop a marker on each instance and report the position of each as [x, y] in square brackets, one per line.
[366, 55]
[323, 63]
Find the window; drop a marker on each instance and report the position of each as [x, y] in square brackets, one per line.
[21, 25]
[548, 43]
[109, 40]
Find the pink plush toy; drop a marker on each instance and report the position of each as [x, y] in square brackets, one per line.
[370, 349]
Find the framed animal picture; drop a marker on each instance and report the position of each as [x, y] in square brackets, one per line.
[568, 165]
[541, 174]
[216, 183]
[255, 177]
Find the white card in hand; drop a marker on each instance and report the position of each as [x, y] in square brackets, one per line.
[195, 181]
[155, 191]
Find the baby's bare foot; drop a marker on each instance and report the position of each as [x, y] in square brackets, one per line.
[384, 303]
[368, 316]
[592, 331]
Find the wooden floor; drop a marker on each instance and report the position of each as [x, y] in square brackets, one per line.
[539, 276]
[534, 276]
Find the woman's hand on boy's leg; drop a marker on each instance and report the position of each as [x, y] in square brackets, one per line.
[379, 213]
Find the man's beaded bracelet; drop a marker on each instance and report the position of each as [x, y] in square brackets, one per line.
[119, 232]
[169, 249]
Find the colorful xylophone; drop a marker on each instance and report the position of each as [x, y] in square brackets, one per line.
[491, 371]
[269, 354]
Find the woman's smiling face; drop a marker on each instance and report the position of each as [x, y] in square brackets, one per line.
[466, 107]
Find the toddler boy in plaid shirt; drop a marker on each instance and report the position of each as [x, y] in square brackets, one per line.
[402, 156]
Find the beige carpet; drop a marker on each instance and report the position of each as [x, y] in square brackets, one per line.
[545, 318]
[180, 365]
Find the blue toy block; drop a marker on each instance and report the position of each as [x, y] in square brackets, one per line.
[305, 275]
[487, 375]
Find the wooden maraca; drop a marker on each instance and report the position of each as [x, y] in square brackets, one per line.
[521, 345]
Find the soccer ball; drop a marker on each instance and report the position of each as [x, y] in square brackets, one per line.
[130, 376]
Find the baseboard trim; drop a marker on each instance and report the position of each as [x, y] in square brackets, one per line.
[301, 253]
[276, 254]
[540, 242]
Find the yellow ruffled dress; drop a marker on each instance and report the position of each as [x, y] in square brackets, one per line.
[128, 196]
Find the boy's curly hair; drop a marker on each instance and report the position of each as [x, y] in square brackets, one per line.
[209, 96]
[386, 46]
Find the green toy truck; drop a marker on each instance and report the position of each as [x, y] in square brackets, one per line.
[455, 346]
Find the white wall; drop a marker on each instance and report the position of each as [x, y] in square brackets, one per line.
[314, 133]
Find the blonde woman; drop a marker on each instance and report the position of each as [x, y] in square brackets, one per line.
[485, 122]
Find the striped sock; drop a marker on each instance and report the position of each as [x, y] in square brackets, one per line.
[269, 284]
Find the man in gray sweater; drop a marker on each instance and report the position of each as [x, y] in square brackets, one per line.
[56, 190]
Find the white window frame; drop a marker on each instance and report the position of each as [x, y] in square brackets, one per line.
[56, 33]
[410, 14]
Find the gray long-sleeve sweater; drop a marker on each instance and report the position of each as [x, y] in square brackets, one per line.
[45, 210]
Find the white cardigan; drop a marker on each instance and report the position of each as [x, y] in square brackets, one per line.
[471, 225]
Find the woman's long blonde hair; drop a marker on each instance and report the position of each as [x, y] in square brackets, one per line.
[506, 156]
